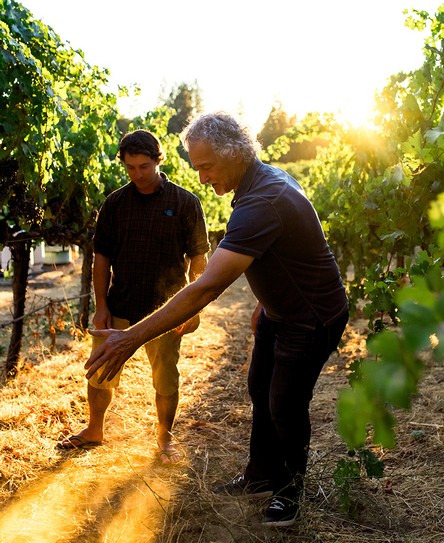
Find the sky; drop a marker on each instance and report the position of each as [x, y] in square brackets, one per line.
[246, 55]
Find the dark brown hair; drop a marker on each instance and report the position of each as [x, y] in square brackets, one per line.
[141, 142]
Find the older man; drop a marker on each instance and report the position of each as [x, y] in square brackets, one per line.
[273, 236]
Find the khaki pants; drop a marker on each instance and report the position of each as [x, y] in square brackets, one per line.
[163, 355]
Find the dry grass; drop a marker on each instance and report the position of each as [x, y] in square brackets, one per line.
[121, 493]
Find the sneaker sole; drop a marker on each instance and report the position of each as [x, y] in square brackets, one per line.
[279, 523]
[263, 494]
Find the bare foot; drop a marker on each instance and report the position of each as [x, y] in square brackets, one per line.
[77, 442]
[82, 440]
[168, 453]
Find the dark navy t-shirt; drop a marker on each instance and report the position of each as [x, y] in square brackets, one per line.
[294, 273]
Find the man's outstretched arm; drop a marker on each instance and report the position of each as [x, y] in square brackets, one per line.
[223, 268]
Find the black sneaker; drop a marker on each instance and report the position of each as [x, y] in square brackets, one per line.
[281, 512]
[239, 486]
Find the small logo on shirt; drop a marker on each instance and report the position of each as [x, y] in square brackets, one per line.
[168, 212]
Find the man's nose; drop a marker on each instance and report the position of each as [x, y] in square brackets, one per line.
[203, 177]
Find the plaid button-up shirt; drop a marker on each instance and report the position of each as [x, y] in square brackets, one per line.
[147, 238]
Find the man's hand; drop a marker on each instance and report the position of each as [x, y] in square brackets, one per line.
[102, 319]
[188, 327]
[117, 348]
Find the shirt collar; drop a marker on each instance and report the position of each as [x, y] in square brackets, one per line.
[164, 180]
[246, 181]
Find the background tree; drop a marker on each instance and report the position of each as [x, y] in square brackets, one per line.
[277, 123]
[186, 100]
[54, 125]
[280, 125]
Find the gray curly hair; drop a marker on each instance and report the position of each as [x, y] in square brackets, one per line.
[226, 136]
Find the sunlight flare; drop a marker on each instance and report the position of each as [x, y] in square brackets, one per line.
[121, 506]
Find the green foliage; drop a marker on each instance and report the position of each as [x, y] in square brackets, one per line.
[348, 472]
[390, 378]
[299, 170]
[372, 189]
[314, 128]
[57, 126]
[283, 141]
[57, 134]
[379, 288]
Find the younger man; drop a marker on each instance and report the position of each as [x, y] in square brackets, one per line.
[150, 241]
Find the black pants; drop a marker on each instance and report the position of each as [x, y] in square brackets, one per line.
[286, 363]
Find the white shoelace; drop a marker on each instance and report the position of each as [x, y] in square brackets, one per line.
[277, 504]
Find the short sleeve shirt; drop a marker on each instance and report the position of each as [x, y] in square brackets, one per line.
[294, 273]
[147, 238]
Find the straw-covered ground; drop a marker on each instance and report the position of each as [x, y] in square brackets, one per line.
[121, 493]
